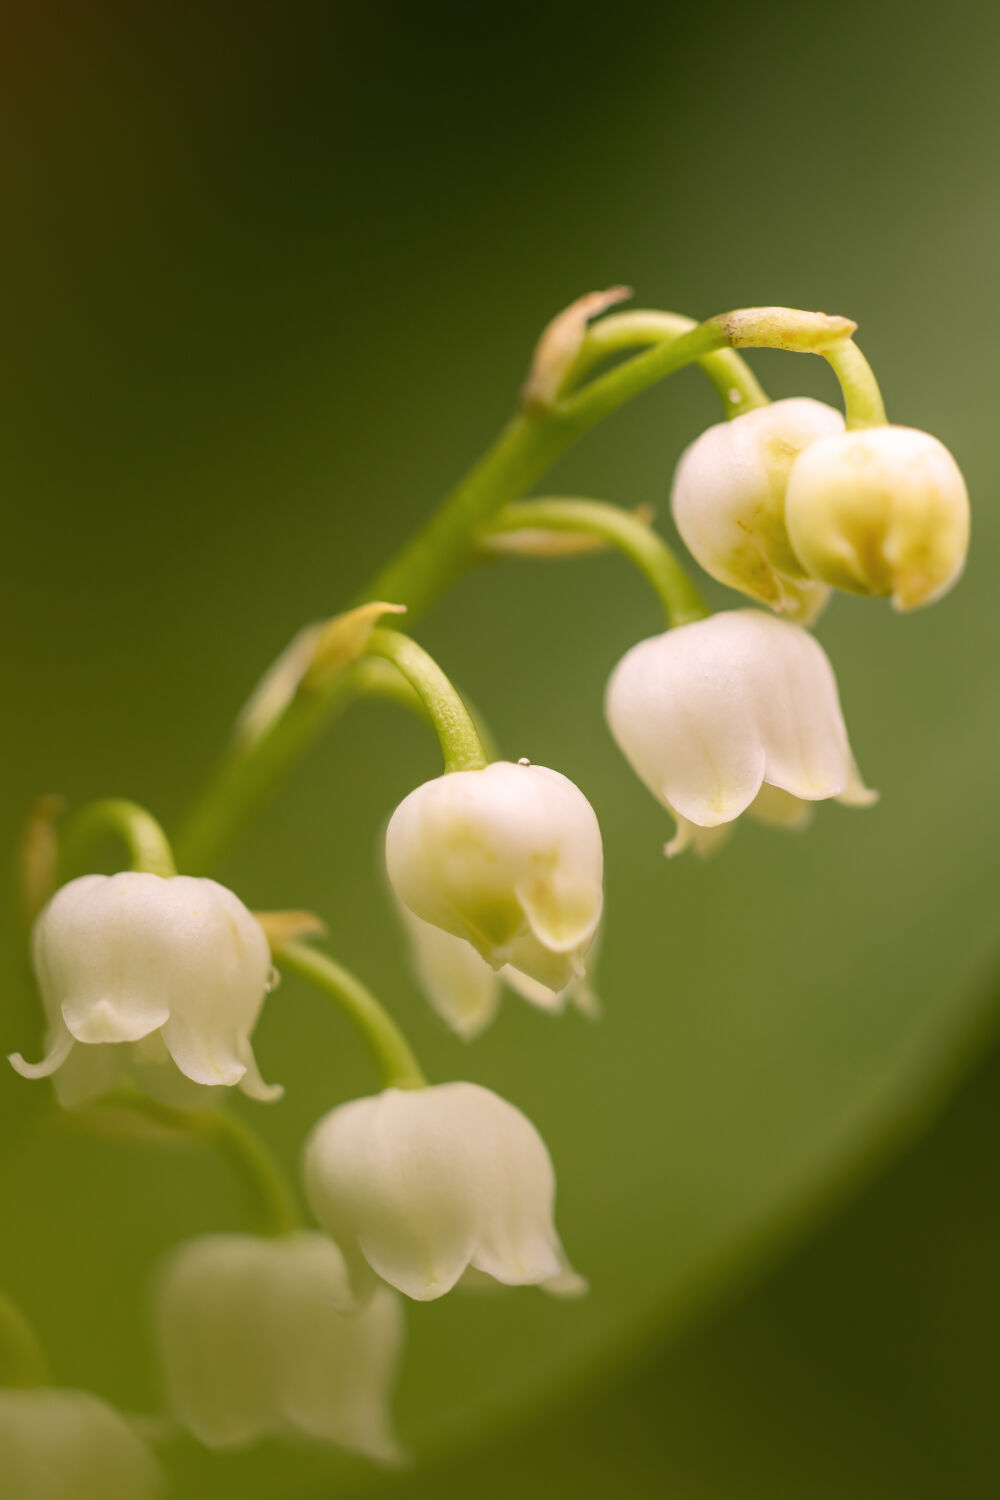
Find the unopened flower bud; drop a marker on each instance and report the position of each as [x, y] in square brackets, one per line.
[882, 511]
[149, 977]
[737, 713]
[418, 1184]
[508, 858]
[728, 502]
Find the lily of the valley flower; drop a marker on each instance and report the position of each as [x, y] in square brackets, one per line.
[466, 992]
[508, 858]
[731, 714]
[150, 977]
[60, 1444]
[261, 1338]
[419, 1184]
[728, 501]
[883, 511]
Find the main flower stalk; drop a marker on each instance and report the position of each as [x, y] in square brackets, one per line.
[530, 443]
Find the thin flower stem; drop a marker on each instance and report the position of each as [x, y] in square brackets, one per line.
[148, 846]
[863, 404]
[375, 677]
[273, 1207]
[426, 565]
[633, 537]
[397, 1066]
[22, 1362]
[749, 327]
[732, 377]
[453, 724]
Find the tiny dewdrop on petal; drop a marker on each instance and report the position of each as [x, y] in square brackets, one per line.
[728, 502]
[416, 1185]
[509, 858]
[883, 511]
[737, 713]
[261, 1338]
[160, 979]
[58, 1444]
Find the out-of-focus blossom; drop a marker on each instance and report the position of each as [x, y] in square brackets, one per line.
[260, 1337]
[69, 1445]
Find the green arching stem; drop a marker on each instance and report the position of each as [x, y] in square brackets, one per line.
[749, 327]
[732, 377]
[456, 732]
[22, 1362]
[863, 404]
[273, 1206]
[394, 1059]
[376, 677]
[534, 439]
[148, 846]
[425, 566]
[373, 677]
[681, 601]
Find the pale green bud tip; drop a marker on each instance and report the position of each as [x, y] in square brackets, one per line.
[882, 512]
[783, 328]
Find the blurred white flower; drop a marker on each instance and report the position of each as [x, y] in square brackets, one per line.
[728, 501]
[69, 1445]
[463, 989]
[419, 1184]
[508, 858]
[735, 713]
[882, 511]
[260, 1337]
[151, 978]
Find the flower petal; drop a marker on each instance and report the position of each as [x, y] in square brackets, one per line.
[60, 1044]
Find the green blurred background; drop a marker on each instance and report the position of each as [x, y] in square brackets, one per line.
[272, 277]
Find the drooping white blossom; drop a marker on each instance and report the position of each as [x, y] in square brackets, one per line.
[416, 1185]
[508, 858]
[465, 991]
[883, 511]
[58, 1444]
[261, 1338]
[728, 502]
[735, 713]
[153, 978]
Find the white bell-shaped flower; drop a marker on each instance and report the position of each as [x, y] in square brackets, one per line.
[58, 1444]
[734, 713]
[508, 858]
[728, 502]
[152, 978]
[260, 1338]
[465, 991]
[883, 511]
[418, 1184]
